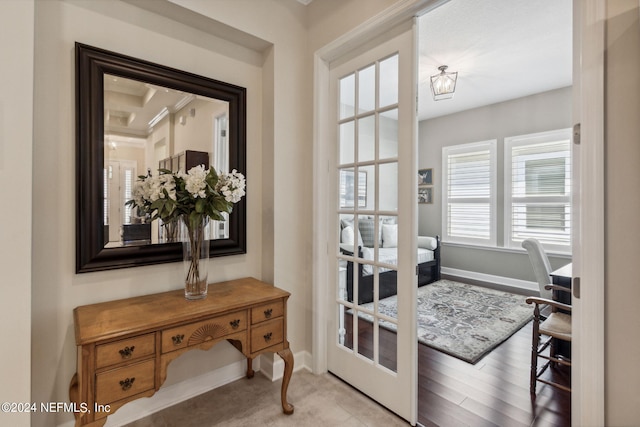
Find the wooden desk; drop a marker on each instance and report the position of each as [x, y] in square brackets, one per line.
[562, 277]
[125, 346]
[563, 273]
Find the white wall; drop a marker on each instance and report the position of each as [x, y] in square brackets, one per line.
[288, 166]
[16, 124]
[56, 289]
[622, 224]
[531, 114]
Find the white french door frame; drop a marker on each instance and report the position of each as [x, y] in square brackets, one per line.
[589, 19]
[588, 323]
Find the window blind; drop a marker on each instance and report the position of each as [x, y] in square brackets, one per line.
[129, 174]
[538, 190]
[105, 195]
[469, 192]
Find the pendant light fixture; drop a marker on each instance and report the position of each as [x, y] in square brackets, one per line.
[443, 84]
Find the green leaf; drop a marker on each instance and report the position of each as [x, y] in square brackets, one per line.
[212, 178]
[200, 205]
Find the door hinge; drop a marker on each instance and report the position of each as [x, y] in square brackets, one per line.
[575, 287]
[576, 134]
[417, 270]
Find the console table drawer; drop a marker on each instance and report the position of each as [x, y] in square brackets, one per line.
[121, 383]
[124, 350]
[196, 333]
[267, 311]
[267, 334]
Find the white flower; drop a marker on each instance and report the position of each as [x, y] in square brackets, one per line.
[195, 181]
[160, 197]
[139, 193]
[153, 188]
[168, 184]
[231, 186]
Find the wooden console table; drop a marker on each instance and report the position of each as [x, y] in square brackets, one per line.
[125, 346]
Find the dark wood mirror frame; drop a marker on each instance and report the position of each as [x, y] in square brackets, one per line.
[91, 66]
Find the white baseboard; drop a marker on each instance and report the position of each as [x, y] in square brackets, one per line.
[273, 368]
[507, 282]
[187, 389]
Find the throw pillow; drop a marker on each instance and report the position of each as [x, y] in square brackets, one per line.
[389, 235]
[367, 230]
[348, 236]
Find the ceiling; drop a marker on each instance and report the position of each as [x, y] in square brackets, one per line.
[501, 49]
[132, 107]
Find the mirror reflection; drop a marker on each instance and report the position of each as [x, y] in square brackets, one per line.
[147, 128]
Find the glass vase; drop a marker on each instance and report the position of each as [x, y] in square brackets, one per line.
[195, 253]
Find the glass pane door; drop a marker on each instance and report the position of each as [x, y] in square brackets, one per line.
[372, 330]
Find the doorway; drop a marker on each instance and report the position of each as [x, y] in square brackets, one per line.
[588, 76]
[508, 106]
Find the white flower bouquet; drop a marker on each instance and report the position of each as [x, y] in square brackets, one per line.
[197, 194]
[194, 197]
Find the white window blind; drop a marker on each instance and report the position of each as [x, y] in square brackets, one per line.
[106, 176]
[538, 189]
[129, 179]
[469, 187]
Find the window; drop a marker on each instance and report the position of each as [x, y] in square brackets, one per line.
[129, 178]
[538, 189]
[469, 193]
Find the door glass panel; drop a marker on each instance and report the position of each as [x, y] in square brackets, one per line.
[388, 344]
[342, 280]
[367, 187]
[389, 81]
[389, 134]
[365, 335]
[389, 186]
[347, 96]
[345, 326]
[352, 188]
[366, 138]
[347, 144]
[366, 89]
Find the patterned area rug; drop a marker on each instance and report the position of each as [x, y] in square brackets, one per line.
[463, 320]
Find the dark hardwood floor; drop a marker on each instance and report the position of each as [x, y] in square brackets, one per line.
[493, 392]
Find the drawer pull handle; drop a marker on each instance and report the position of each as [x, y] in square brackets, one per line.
[127, 383]
[127, 352]
[267, 336]
[235, 324]
[268, 312]
[177, 339]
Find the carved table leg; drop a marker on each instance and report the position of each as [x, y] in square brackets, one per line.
[287, 356]
[250, 368]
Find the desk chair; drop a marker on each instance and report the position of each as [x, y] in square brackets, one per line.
[541, 266]
[557, 326]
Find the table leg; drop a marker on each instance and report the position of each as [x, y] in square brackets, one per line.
[287, 356]
[250, 372]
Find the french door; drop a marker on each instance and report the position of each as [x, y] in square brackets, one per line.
[372, 210]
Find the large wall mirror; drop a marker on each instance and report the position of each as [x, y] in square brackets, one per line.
[133, 118]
